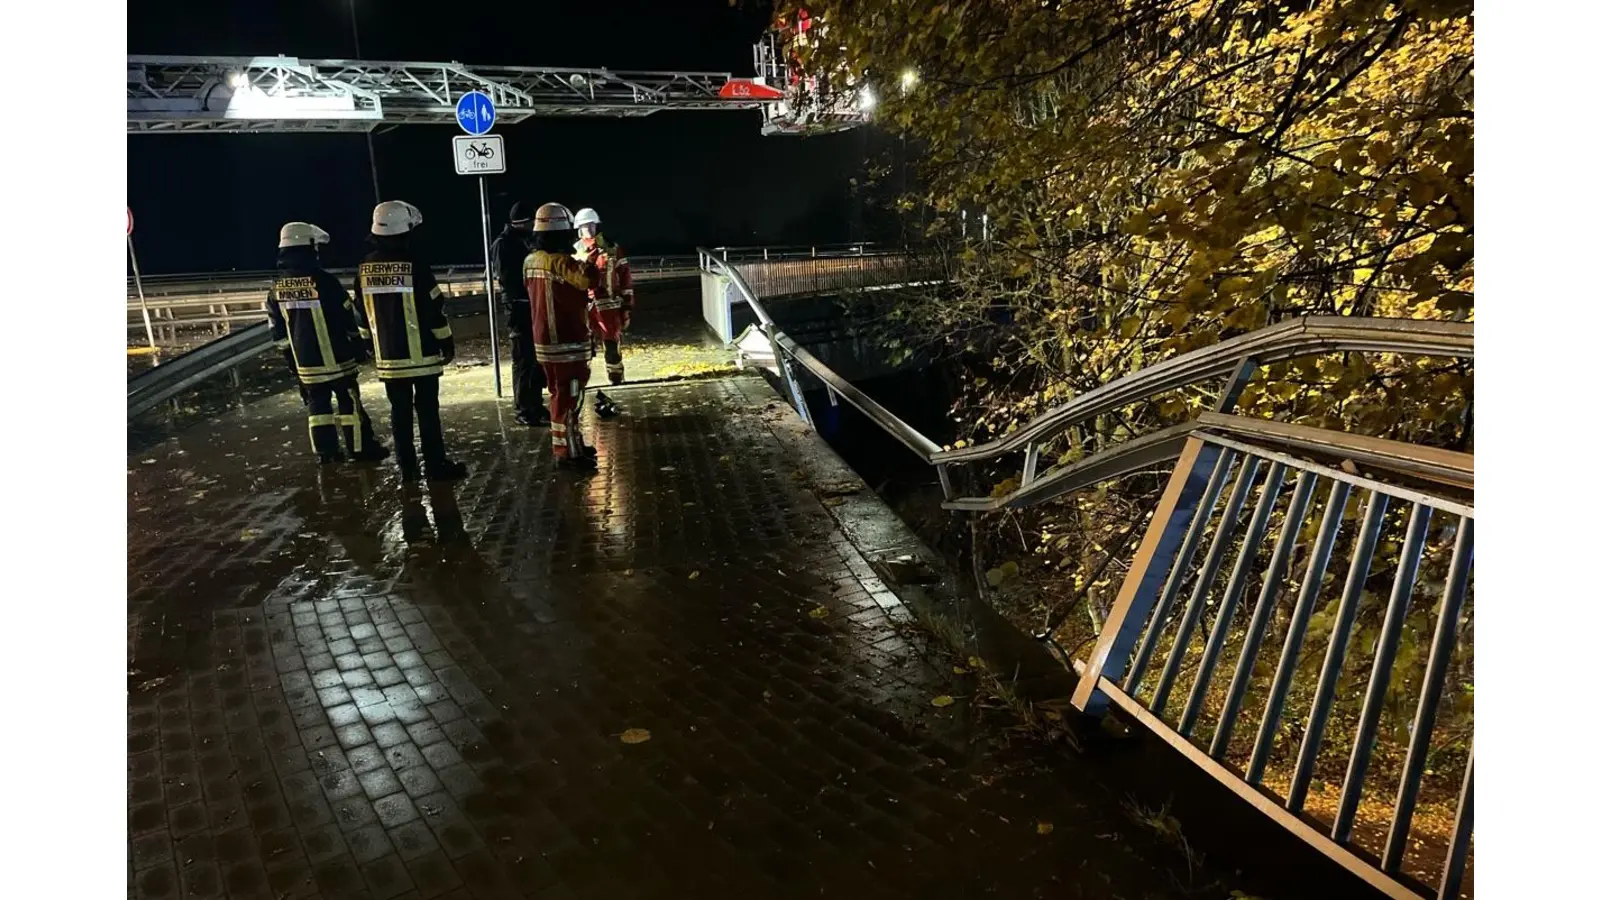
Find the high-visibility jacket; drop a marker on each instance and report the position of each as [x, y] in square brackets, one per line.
[313, 319]
[558, 291]
[614, 289]
[405, 310]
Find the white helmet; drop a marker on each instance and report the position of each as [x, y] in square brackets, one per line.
[301, 234]
[586, 216]
[552, 217]
[395, 217]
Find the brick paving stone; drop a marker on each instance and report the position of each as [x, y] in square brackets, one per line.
[343, 688]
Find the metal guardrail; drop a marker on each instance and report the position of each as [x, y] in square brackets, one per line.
[794, 251]
[1207, 449]
[152, 387]
[837, 386]
[221, 301]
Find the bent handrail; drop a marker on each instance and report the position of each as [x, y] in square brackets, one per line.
[1306, 336]
[1133, 455]
[153, 387]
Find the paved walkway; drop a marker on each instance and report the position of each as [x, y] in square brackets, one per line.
[342, 689]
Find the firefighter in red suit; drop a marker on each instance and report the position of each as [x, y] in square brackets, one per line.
[612, 310]
[558, 293]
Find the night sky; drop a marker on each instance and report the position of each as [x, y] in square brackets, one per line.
[663, 183]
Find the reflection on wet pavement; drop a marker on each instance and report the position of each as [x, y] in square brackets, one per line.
[340, 688]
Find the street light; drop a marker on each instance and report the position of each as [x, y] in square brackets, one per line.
[908, 80]
[238, 81]
[865, 102]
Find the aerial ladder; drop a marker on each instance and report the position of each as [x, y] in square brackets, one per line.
[209, 94]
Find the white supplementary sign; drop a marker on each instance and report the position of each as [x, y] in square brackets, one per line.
[481, 155]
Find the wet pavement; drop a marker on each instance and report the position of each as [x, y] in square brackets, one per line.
[677, 677]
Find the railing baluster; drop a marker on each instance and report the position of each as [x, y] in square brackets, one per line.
[1230, 597]
[1444, 642]
[1338, 643]
[1394, 620]
[1310, 586]
[1150, 567]
[1180, 565]
[1455, 864]
[1266, 601]
[1202, 585]
[1234, 388]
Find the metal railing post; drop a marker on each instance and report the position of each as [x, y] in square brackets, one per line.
[1176, 509]
[1030, 463]
[1242, 373]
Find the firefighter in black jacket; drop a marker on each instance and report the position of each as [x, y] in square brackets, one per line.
[411, 338]
[509, 250]
[323, 338]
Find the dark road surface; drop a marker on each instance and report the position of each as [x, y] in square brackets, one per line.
[676, 678]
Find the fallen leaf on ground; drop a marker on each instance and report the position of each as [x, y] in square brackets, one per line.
[635, 736]
[1046, 828]
[695, 574]
[958, 670]
[820, 612]
[943, 700]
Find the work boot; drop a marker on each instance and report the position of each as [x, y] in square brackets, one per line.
[616, 377]
[537, 419]
[329, 459]
[448, 470]
[376, 453]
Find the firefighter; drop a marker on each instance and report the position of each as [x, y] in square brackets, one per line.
[509, 251]
[323, 338]
[558, 292]
[612, 296]
[411, 338]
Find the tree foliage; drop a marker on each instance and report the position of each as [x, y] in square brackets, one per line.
[1160, 174]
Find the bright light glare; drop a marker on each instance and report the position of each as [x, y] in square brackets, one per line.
[908, 79]
[866, 101]
[237, 80]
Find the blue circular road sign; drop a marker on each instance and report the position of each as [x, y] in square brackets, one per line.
[475, 112]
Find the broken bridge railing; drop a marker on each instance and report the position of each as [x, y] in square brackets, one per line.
[1173, 603]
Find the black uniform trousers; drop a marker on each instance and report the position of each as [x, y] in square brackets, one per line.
[415, 399]
[343, 395]
[527, 376]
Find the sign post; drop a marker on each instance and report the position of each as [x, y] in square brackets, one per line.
[138, 284]
[481, 153]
